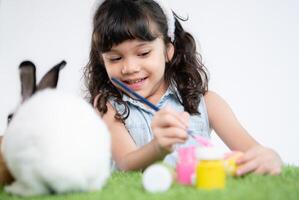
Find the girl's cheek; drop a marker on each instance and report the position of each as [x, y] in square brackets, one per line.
[112, 70]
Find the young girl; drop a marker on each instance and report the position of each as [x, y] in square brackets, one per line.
[142, 43]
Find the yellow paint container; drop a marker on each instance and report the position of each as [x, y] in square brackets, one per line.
[210, 171]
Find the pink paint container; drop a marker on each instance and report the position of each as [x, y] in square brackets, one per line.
[186, 164]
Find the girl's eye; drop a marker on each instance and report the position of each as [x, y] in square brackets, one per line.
[144, 53]
[114, 59]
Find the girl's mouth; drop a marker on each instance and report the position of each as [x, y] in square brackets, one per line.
[135, 84]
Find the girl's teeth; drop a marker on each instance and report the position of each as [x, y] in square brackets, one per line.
[135, 81]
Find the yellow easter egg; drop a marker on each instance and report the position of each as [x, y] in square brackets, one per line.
[230, 162]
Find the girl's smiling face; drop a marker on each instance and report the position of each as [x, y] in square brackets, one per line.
[140, 65]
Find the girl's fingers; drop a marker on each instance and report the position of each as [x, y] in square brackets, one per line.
[171, 132]
[170, 127]
[182, 117]
[260, 160]
[261, 170]
[168, 120]
[171, 141]
[168, 143]
[168, 137]
[248, 155]
[276, 171]
[248, 167]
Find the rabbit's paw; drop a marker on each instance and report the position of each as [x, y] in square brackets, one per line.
[19, 189]
[96, 184]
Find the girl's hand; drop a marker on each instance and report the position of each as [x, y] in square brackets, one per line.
[260, 160]
[169, 128]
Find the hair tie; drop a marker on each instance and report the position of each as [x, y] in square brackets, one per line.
[169, 17]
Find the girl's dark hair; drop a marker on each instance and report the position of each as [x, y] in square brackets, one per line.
[116, 21]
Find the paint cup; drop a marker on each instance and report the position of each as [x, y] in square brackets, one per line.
[210, 172]
[185, 167]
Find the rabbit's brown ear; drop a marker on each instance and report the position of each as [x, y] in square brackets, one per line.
[50, 79]
[28, 80]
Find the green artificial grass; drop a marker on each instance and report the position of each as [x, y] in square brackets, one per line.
[128, 186]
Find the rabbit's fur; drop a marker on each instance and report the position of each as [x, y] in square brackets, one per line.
[55, 143]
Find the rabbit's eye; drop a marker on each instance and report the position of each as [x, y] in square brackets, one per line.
[9, 118]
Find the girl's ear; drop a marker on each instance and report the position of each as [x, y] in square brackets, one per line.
[169, 52]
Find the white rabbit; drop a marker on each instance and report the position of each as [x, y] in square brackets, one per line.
[54, 143]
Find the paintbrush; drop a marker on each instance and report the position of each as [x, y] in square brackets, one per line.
[203, 141]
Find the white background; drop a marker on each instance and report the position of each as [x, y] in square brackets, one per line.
[250, 48]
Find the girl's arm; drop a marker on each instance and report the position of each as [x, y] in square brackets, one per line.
[226, 125]
[124, 151]
[256, 158]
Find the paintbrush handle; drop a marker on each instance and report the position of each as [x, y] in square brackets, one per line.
[132, 92]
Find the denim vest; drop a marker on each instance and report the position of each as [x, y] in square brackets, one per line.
[139, 120]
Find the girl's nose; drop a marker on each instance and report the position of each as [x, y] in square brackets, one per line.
[129, 67]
